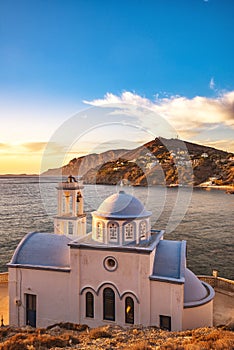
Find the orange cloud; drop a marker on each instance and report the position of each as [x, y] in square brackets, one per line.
[34, 146]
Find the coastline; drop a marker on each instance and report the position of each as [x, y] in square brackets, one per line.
[216, 187]
[203, 185]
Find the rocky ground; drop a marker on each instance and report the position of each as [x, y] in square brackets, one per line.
[72, 336]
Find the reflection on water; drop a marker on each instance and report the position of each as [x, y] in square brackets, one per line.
[207, 225]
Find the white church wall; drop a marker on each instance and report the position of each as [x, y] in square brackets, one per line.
[13, 297]
[75, 287]
[131, 277]
[199, 316]
[98, 320]
[51, 289]
[166, 300]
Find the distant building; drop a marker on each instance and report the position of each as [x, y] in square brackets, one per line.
[122, 272]
[204, 155]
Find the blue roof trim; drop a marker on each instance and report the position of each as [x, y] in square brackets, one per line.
[86, 242]
[39, 267]
[167, 279]
[183, 259]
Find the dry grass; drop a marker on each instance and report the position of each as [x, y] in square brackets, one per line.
[97, 333]
[141, 345]
[69, 326]
[37, 341]
[73, 336]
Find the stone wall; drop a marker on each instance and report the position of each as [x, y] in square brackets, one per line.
[4, 277]
[219, 283]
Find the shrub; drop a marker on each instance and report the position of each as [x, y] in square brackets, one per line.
[37, 341]
[99, 333]
[69, 326]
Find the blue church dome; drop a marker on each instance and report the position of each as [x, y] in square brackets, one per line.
[122, 205]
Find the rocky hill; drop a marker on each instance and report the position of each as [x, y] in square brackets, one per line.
[73, 336]
[158, 162]
[79, 166]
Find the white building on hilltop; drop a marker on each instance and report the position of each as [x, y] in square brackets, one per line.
[122, 272]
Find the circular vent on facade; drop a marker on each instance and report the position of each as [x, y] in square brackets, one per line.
[110, 263]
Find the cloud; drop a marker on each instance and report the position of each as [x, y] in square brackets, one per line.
[198, 113]
[35, 146]
[184, 114]
[30, 148]
[40, 147]
[212, 84]
[188, 117]
[126, 97]
[4, 146]
[220, 144]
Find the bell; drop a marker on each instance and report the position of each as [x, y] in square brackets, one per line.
[78, 197]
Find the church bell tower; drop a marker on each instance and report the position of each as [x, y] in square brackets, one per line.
[71, 219]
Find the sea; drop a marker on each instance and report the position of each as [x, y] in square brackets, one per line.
[203, 218]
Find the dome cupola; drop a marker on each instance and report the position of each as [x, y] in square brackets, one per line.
[122, 205]
[121, 219]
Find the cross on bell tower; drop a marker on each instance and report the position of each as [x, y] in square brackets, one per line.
[71, 219]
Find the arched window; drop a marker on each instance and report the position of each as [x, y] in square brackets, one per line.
[70, 227]
[108, 304]
[143, 229]
[128, 232]
[129, 310]
[113, 231]
[99, 230]
[89, 306]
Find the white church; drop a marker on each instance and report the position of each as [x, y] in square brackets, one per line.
[123, 272]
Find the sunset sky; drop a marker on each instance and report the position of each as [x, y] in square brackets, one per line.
[58, 58]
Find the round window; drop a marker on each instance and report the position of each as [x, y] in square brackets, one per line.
[110, 263]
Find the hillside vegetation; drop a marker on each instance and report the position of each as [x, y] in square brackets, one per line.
[72, 336]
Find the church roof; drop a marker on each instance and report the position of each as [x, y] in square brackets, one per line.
[122, 205]
[169, 260]
[169, 265]
[194, 290]
[144, 246]
[41, 249]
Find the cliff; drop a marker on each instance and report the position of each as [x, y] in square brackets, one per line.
[79, 166]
